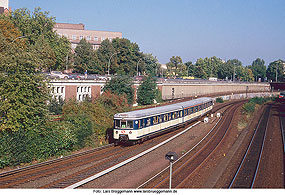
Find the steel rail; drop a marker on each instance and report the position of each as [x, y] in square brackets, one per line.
[187, 152]
[127, 161]
[248, 149]
[49, 162]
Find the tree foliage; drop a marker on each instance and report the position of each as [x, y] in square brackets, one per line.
[23, 93]
[276, 67]
[147, 91]
[121, 85]
[37, 29]
[128, 54]
[258, 69]
[176, 68]
[86, 59]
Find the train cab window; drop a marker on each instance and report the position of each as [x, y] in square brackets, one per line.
[130, 125]
[117, 124]
[123, 124]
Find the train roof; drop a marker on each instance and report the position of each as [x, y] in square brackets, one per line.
[160, 110]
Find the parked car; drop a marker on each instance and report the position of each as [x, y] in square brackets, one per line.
[92, 77]
[75, 76]
[58, 75]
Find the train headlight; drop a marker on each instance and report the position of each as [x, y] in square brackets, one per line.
[130, 132]
[117, 132]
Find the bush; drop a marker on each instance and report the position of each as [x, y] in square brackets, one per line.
[24, 146]
[219, 100]
[249, 107]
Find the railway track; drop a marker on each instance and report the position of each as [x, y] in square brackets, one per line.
[247, 171]
[183, 168]
[102, 158]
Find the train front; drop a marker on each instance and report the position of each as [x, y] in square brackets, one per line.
[125, 129]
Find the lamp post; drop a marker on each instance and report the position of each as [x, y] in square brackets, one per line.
[138, 66]
[110, 62]
[171, 156]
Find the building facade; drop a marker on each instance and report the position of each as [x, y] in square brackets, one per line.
[82, 89]
[75, 32]
[4, 7]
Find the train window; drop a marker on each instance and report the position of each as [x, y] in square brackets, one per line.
[174, 115]
[166, 117]
[196, 108]
[161, 118]
[155, 120]
[185, 112]
[148, 122]
[142, 123]
[123, 124]
[181, 113]
[139, 124]
[130, 124]
[117, 123]
[200, 107]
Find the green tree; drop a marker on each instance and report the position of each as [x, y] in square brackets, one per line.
[23, 93]
[258, 69]
[147, 91]
[85, 58]
[148, 65]
[39, 25]
[128, 54]
[176, 68]
[121, 85]
[106, 53]
[276, 67]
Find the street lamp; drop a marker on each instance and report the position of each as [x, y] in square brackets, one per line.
[171, 156]
[110, 61]
[138, 66]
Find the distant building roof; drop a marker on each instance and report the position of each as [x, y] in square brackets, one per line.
[69, 26]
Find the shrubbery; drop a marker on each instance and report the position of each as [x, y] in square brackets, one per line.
[249, 107]
[219, 100]
[84, 124]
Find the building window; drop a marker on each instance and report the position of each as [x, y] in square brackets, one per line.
[58, 92]
[110, 39]
[102, 38]
[74, 37]
[88, 38]
[83, 92]
[96, 39]
[81, 37]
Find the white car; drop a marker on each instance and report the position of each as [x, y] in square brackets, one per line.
[58, 74]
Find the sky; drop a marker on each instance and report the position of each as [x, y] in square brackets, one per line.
[191, 29]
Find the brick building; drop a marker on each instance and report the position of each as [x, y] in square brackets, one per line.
[75, 32]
